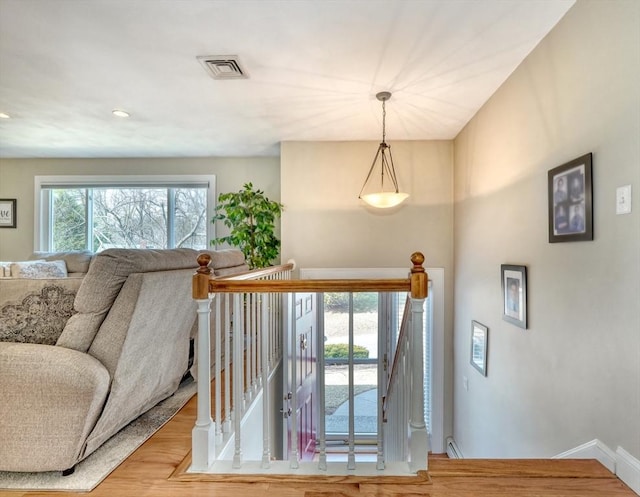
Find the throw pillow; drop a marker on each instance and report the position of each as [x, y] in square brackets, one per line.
[39, 269]
[77, 261]
[35, 311]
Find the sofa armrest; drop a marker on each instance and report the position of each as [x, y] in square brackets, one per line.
[50, 398]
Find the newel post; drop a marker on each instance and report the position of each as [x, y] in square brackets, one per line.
[203, 434]
[418, 437]
[419, 277]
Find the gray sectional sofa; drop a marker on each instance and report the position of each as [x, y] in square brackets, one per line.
[124, 348]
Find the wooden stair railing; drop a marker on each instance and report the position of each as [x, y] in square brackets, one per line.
[207, 435]
[269, 281]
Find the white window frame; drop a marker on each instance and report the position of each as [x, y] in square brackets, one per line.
[436, 289]
[42, 213]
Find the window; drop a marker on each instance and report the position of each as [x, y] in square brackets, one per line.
[434, 340]
[101, 212]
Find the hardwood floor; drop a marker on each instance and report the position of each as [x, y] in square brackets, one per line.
[148, 473]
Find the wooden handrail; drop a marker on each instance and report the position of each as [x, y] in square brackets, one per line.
[402, 336]
[284, 286]
[204, 282]
[255, 274]
[201, 286]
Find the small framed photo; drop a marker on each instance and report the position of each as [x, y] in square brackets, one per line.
[479, 342]
[514, 294]
[8, 212]
[571, 201]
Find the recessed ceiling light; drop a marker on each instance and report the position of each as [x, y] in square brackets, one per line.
[4, 115]
[120, 113]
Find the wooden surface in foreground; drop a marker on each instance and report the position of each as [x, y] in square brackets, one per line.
[147, 473]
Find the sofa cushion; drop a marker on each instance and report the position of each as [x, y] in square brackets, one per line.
[39, 269]
[77, 261]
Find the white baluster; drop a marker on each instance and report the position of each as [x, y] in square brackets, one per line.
[246, 339]
[351, 458]
[203, 434]
[384, 330]
[268, 327]
[228, 313]
[266, 404]
[251, 327]
[418, 441]
[320, 371]
[238, 380]
[276, 326]
[219, 330]
[273, 316]
[255, 345]
[294, 456]
[406, 397]
[260, 331]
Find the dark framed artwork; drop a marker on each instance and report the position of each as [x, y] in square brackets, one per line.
[571, 201]
[514, 294]
[479, 343]
[8, 212]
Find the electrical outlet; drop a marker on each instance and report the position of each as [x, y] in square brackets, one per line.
[623, 199]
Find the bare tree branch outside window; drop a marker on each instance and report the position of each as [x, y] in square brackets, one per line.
[129, 217]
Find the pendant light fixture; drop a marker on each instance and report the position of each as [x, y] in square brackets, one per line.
[383, 198]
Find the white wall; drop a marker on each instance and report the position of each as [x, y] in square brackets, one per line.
[574, 375]
[325, 225]
[17, 181]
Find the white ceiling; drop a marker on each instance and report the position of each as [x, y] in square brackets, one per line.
[314, 65]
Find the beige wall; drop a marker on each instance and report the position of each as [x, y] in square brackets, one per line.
[325, 225]
[574, 375]
[17, 181]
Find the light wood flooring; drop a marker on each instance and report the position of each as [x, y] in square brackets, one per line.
[149, 470]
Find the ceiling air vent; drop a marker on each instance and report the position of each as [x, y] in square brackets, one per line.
[223, 66]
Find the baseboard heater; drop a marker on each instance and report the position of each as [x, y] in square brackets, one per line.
[453, 451]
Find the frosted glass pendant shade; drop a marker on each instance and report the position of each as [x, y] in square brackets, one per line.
[384, 200]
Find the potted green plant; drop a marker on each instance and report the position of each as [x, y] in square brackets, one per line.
[251, 217]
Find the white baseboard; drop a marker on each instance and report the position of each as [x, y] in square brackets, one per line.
[628, 469]
[621, 463]
[594, 449]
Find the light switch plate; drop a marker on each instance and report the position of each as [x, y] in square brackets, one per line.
[623, 199]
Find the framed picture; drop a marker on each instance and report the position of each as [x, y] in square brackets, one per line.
[479, 341]
[571, 201]
[514, 294]
[8, 212]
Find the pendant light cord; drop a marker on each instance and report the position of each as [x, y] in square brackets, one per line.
[384, 119]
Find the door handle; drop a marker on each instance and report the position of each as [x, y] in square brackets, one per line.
[303, 342]
[287, 413]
